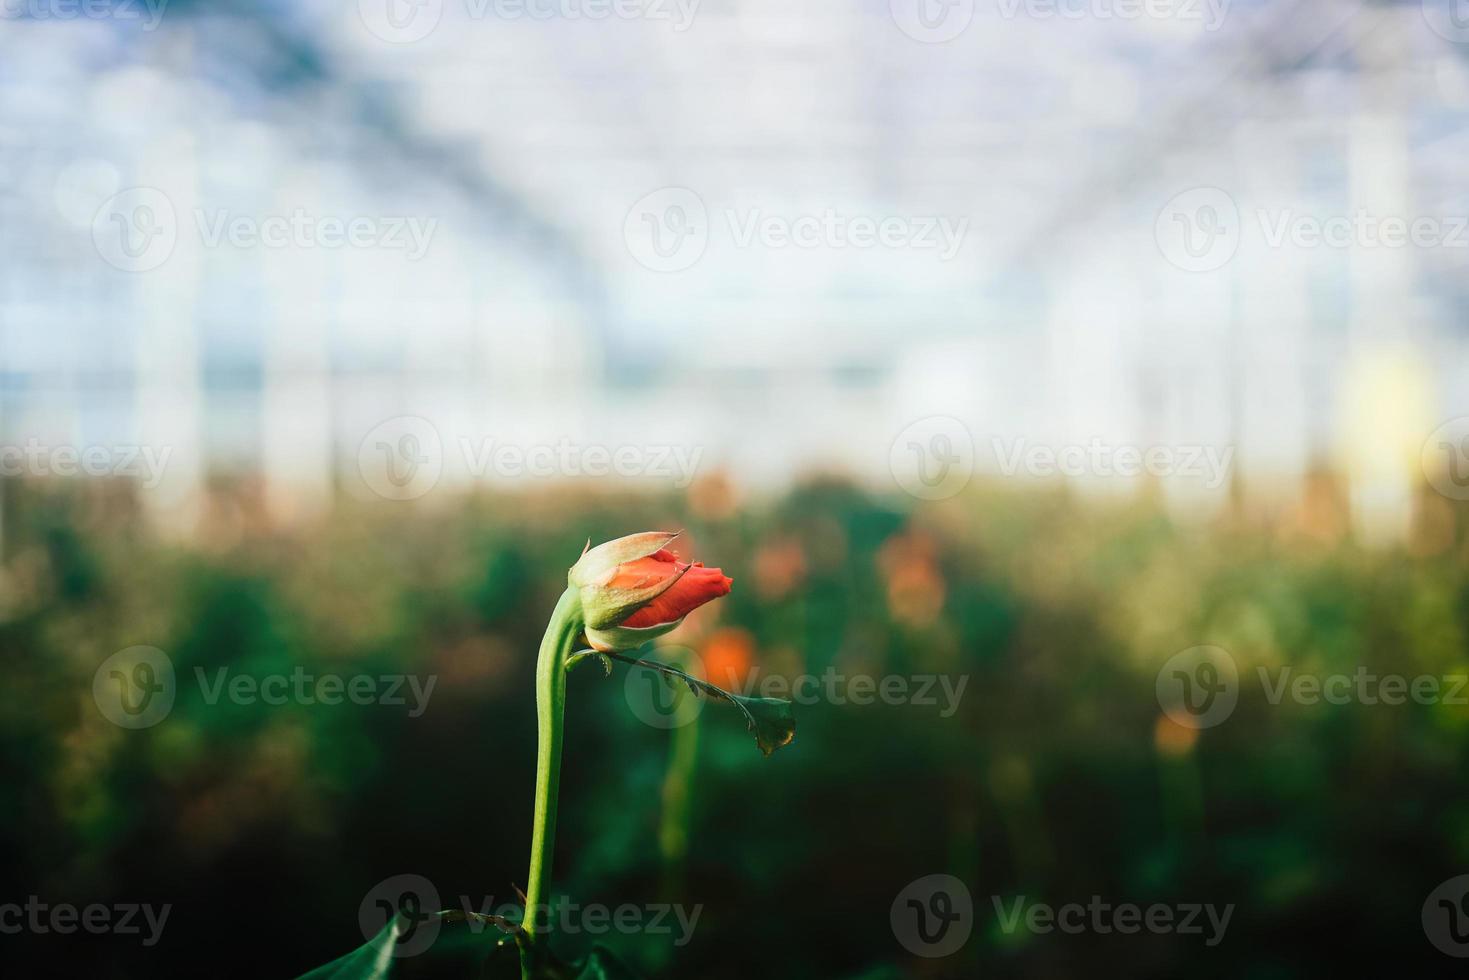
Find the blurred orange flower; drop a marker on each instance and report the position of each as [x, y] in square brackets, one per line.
[915, 586]
[728, 656]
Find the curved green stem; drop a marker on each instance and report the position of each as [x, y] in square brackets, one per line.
[556, 646]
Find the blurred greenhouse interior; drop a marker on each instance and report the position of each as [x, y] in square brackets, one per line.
[1010, 349]
[520, 145]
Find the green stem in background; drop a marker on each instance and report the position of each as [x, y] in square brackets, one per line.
[556, 646]
[673, 829]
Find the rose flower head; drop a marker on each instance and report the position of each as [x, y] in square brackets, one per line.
[634, 588]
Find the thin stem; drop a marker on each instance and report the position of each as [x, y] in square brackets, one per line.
[556, 646]
[673, 828]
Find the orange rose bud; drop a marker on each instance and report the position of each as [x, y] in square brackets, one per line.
[634, 589]
[692, 586]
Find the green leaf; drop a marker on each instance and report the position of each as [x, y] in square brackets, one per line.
[581, 655]
[771, 719]
[602, 965]
[466, 945]
[460, 951]
[599, 965]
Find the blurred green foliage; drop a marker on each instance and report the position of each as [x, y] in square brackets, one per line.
[1056, 776]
